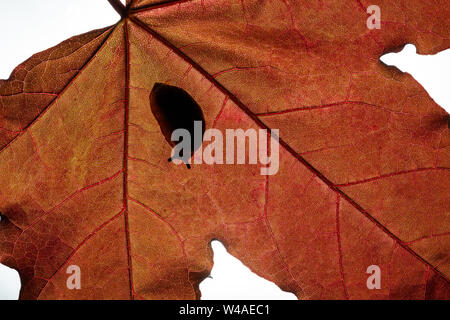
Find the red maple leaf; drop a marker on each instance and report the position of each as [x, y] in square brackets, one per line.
[364, 153]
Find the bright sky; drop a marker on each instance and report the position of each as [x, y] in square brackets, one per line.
[30, 26]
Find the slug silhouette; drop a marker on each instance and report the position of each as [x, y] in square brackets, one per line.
[175, 109]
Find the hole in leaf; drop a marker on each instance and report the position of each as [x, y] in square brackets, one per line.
[231, 279]
[175, 109]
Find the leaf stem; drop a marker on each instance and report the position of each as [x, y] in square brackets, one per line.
[119, 7]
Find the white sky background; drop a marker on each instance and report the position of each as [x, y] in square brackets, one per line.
[30, 26]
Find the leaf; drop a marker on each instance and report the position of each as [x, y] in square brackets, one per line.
[364, 154]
